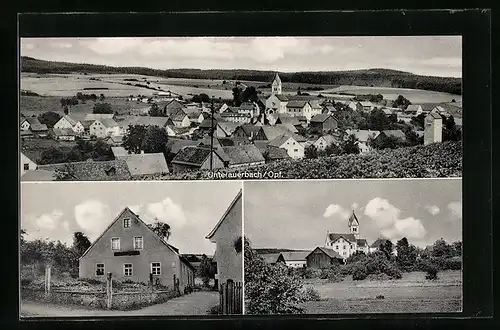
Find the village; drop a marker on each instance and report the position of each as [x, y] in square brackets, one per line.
[171, 134]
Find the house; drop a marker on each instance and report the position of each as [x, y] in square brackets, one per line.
[271, 154]
[329, 109]
[433, 128]
[119, 152]
[69, 122]
[322, 257]
[413, 109]
[272, 132]
[324, 122]
[194, 158]
[223, 108]
[102, 128]
[27, 164]
[355, 106]
[112, 170]
[287, 126]
[367, 106]
[384, 135]
[251, 132]
[98, 116]
[324, 141]
[287, 119]
[34, 126]
[294, 149]
[378, 242]
[248, 108]
[208, 123]
[243, 155]
[175, 145]
[235, 117]
[144, 164]
[227, 236]
[130, 250]
[346, 244]
[299, 108]
[180, 119]
[196, 117]
[316, 108]
[363, 137]
[272, 258]
[65, 134]
[226, 129]
[177, 131]
[173, 107]
[295, 259]
[115, 140]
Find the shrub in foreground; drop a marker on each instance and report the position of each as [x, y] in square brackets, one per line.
[310, 294]
[359, 273]
[431, 273]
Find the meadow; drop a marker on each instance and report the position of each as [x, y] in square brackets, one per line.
[410, 294]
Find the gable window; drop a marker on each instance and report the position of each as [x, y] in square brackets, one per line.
[155, 268]
[99, 269]
[336, 247]
[115, 243]
[344, 246]
[127, 269]
[26, 166]
[138, 243]
[126, 223]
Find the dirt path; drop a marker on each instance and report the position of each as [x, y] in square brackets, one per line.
[196, 303]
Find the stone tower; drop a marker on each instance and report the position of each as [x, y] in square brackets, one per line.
[353, 224]
[433, 131]
[276, 85]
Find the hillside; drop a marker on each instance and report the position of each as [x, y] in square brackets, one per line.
[369, 77]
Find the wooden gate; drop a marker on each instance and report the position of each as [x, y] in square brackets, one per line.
[231, 298]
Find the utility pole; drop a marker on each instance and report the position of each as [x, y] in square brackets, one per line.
[212, 135]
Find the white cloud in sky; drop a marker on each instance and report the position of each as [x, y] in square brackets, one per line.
[50, 220]
[333, 209]
[65, 225]
[354, 205]
[137, 209]
[167, 211]
[432, 209]
[456, 209]
[93, 217]
[387, 217]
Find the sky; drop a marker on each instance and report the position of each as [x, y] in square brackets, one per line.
[298, 214]
[427, 55]
[192, 209]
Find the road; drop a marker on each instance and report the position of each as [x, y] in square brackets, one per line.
[196, 303]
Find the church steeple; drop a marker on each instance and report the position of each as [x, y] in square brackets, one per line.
[353, 224]
[276, 85]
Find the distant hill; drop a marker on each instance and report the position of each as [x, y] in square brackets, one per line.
[274, 250]
[368, 77]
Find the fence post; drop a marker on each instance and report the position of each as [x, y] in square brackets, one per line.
[109, 290]
[230, 296]
[221, 300]
[47, 280]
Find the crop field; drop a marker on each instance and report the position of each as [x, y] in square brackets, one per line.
[414, 95]
[35, 105]
[411, 294]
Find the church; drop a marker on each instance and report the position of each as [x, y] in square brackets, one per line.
[346, 244]
[276, 103]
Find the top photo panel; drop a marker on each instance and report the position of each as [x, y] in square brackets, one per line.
[205, 108]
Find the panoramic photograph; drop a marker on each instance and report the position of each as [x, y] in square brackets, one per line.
[196, 108]
[353, 246]
[91, 249]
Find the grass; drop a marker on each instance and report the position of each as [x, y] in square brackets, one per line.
[411, 294]
[33, 148]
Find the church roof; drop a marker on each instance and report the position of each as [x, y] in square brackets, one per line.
[362, 242]
[277, 78]
[353, 218]
[335, 236]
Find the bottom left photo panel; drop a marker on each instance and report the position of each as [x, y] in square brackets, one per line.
[98, 249]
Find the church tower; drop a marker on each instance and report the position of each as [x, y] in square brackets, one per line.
[353, 225]
[276, 86]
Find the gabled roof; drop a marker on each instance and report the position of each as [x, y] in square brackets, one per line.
[363, 135]
[112, 170]
[329, 252]
[177, 144]
[179, 130]
[118, 139]
[279, 141]
[211, 234]
[281, 97]
[287, 119]
[146, 164]
[353, 218]
[367, 104]
[71, 121]
[206, 123]
[377, 242]
[195, 155]
[270, 258]
[243, 154]
[35, 124]
[295, 255]
[414, 107]
[248, 129]
[362, 242]
[288, 126]
[275, 153]
[297, 104]
[31, 121]
[63, 132]
[248, 106]
[335, 236]
[272, 132]
[329, 139]
[98, 116]
[320, 118]
[108, 122]
[435, 115]
[173, 249]
[228, 127]
[395, 133]
[178, 116]
[119, 151]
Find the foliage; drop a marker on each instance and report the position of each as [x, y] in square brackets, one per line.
[82, 151]
[311, 152]
[432, 272]
[332, 150]
[102, 108]
[387, 142]
[49, 118]
[310, 294]
[161, 229]
[356, 256]
[406, 255]
[359, 273]
[269, 289]
[206, 270]
[238, 244]
[401, 101]
[440, 249]
[155, 111]
[386, 248]
[132, 141]
[80, 243]
[155, 140]
[350, 145]
[201, 98]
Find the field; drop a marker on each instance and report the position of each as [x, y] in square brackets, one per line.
[33, 148]
[35, 105]
[415, 96]
[411, 294]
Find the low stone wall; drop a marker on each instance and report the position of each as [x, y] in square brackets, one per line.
[135, 300]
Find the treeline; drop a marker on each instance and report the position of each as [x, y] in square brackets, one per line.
[83, 150]
[371, 77]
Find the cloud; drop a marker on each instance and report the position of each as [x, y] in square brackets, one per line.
[65, 225]
[112, 46]
[387, 217]
[432, 209]
[49, 221]
[167, 211]
[354, 205]
[333, 209]
[93, 217]
[136, 208]
[456, 209]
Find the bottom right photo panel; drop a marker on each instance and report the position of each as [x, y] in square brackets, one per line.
[353, 246]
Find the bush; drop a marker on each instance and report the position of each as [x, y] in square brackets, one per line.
[92, 281]
[431, 273]
[392, 271]
[310, 294]
[359, 273]
[312, 273]
[26, 282]
[453, 264]
[215, 310]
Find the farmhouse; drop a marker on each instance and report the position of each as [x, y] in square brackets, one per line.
[235, 117]
[250, 132]
[225, 129]
[173, 107]
[119, 152]
[330, 109]
[346, 244]
[65, 134]
[27, 164]
[299, 108]
[129, 249]
[177, 131]
[180, 119]
[99, 116]
[324, 141]
[272, 132]
[433, 131]
[194, 158]
[367, 106]
[322, 257]
[271, 154]
[243, 155]
[102, 128]
[176, 145]
[413, 109]
[294, 149]
[248, 108]
[324, 122]
[68, 122]
[295, 259]
[146, 164]
[227, 235]
[34, 126]
[196, 117]
[355, 106]
[289, 120]
[363, 137]
[115, 140]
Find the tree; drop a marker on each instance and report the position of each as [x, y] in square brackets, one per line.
[80, 243]
[206, 270]
[350, 145]
[49, 118]
[406, 254]
[63, 102]
[418, 121]
[101, 97]
[155, 140]
[457, 248]
[311, 152]
[161, 229]
[236, 96]
[66, 110]
[132, 141]
[401, 101]
[201, 98]
[378, 120]
[386, 248]
[103, 108]
[332, 149]
[249, 95]
[412, 139]
[155, 111]
[440, 249]
[389, 141]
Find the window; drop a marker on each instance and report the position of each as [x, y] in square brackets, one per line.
[350, 246]
[343, 253]
[336, 247]
[26, 166]
[155, 268]
[115, 243]
[354, 229]
[126, 223]
[99, 269]
[127, 269]
[138, 243]
[344, 246]
[296, 150]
